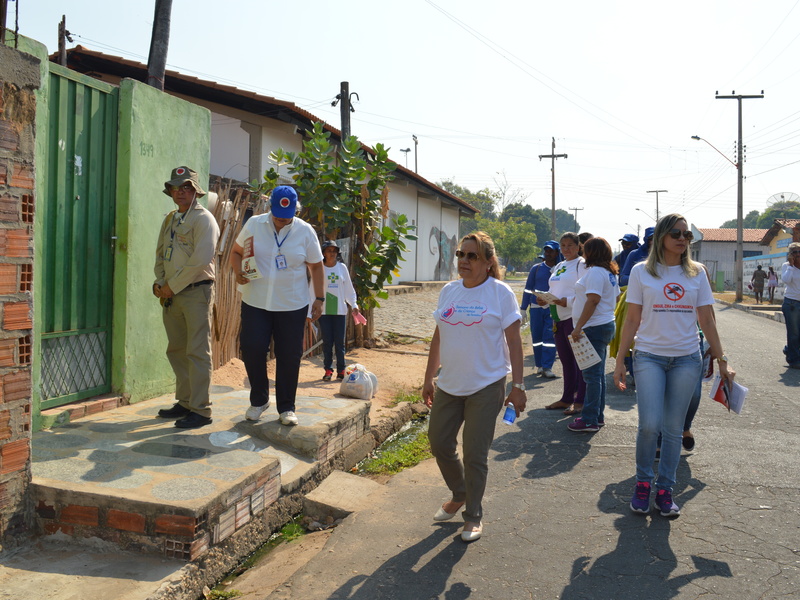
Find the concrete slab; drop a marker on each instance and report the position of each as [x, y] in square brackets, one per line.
[339, 495]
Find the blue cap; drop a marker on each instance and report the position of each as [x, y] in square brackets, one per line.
[283, 202]
[629, 237]
[648, 233]
[552, 244]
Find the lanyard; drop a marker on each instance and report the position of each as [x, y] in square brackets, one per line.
[279, 244]
[173, 228]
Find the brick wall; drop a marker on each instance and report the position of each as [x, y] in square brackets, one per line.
[19, 77]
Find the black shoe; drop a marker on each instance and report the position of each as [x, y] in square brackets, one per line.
[340, 375]
[688, 441]
[193, 421]
[176, 412]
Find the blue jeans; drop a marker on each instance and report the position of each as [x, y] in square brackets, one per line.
[544, 345]
[332, 328]
[664, 388]
[791, 315]
[594, 403]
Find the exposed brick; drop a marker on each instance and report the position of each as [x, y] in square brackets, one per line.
[199, 546]
[9, 136]
[76, 412]
[9, 208]
[80, 515]
[125, 521]
[27, 206]
[45, 511]
[8, 279]
[176, 525]
[22, 176]
[7, 358]
[242, 512]
[14, 456]
[17, 385]
[226, 525]
[15, 243]
[5, 426]
[54, 527]
[92, 408]
[3, 175]
[16, 316]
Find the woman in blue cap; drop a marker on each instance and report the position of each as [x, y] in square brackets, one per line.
[275, 300]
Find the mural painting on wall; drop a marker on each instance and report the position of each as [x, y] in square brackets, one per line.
[445, 249]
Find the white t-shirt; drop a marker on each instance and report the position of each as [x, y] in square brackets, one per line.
[790, 275]
[602, 282]
[562, 284]
[472, 322]
[279, 290]
[669, 308]
[339, 290]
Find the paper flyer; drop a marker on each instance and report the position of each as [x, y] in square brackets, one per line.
[546, 296]
[731, 398]
[249, 266]
[585, 354]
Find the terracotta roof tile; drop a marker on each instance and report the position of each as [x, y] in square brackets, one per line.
[729, 235]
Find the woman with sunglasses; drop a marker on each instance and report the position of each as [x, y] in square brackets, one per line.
[595, 299]
[790, 275]
[477, 342]
[667, 296]
[562, 285]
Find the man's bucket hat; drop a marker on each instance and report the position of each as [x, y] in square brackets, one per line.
[181, 175]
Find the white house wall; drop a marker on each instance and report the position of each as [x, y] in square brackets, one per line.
[229, 148]
[438, 236]
[720, 256]
[403, 200]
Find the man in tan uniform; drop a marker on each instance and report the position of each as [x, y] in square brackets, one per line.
[185, 284]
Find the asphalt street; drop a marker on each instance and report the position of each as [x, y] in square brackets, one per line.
[557, 522]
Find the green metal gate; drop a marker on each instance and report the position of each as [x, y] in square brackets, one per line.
[76, 240]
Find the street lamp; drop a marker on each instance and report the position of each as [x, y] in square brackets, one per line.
[405, 151]
[656, 192]
[645, 214]
[739, 264]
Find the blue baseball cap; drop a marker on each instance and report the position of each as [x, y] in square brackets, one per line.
[629, 237]
[283, 202]
[552, 244]
[648, 233]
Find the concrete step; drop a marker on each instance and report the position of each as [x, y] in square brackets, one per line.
[131, 478]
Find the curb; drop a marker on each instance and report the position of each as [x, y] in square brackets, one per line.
[772, 315]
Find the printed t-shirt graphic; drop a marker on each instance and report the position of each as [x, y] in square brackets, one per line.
[464, 314]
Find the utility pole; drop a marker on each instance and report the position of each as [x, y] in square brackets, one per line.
[345, 108]
[739, 194]
[63, 35]
[553, 156]
[656, 192]
[159, 44]
[576, 217]
[416, 143]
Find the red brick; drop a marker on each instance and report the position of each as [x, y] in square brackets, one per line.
[5, 426]
[176, 525]
[92, 408]
[52, 528]
[7, 358]
[76, 412]
[199, 546]
[80, 515]
[9, 136]
[8, 279]
[17, 385]
[3, 175]
[16, 316]
[125, 521]
[9, 209]
[15, 243]
[22, 176]
[14, 456]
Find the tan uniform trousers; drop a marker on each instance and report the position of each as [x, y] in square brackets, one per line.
[478, 413]
[188, 325]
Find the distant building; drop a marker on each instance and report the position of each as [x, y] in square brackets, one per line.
[716, 249]
[773, 251]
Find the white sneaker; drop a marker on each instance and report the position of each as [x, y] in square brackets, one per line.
[539, 371]
[289, 418]
[548, 374]
[254, 412]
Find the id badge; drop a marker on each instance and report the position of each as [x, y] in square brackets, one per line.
[168, 253]
[280, 262]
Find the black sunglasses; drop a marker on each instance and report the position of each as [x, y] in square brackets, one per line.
[470, 256]
[675, 234]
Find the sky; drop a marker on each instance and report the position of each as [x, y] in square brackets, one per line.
[485, 86]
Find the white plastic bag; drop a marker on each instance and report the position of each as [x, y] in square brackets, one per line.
[357, 383]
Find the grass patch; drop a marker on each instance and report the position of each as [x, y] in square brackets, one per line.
[402, 456]
[404, 395]
[223, 595]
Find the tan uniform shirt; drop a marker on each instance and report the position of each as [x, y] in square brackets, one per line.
[186, 247]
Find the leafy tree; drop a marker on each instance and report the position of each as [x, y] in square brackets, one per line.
[750, 221]
[786, 209]
[514, 240]
[345, 195]
[565, 221]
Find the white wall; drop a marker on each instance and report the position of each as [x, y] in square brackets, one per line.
[403, 200]
[230, 147]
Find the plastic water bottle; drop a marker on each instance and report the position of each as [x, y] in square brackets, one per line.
[510, 415]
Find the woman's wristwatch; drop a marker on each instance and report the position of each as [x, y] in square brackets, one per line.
[722, 359]
[320, 299]
[519, 386]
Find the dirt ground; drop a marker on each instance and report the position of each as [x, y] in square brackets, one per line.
[399, 366]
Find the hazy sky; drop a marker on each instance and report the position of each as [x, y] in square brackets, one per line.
[621, 85]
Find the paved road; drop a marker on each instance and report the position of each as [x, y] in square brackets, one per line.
[557, 518]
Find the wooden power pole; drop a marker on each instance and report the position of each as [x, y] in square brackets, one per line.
[159, 44]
